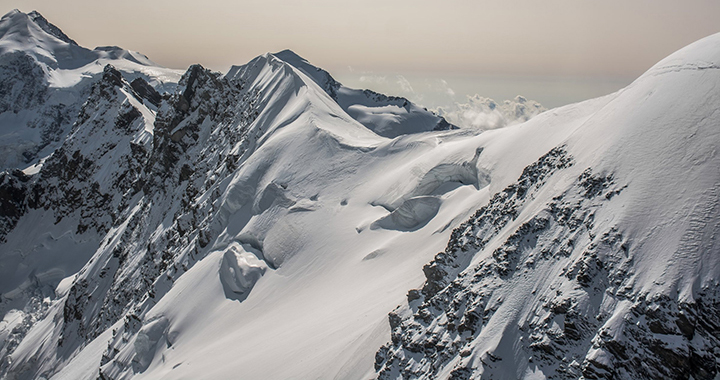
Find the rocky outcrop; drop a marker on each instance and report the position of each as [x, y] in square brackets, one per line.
[13, 200]
[22, 82]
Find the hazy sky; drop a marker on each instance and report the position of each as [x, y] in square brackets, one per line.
[464, 38]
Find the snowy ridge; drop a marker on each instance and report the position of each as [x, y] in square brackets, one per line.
[233, 222]
[388, 116]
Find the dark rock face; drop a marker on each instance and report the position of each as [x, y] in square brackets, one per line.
[111, 76]
[174, 177]
[203, 128]
[22, 82]
[443, 125]
[474, 234]
[69, 185]
[24, 90]
[13, 203]
[663, 339]
[421, 345]
[205, 96]
[146, 91]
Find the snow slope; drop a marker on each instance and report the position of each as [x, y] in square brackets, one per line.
[251, 225]
[601, 261]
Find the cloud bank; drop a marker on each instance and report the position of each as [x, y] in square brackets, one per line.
[484, 113]
[476, 112]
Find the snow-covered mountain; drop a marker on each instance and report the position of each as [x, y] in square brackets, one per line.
[271, 223]
[45, 77]
[388, 116]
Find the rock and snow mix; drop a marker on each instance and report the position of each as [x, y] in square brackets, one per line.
[271, 223]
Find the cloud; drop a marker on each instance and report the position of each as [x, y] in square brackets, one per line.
[476, 112]
[484, 113]
[404, 85]
[373, 79]
[446, 88]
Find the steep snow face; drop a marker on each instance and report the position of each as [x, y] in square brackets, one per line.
[388, 116]
[600, 261]
[44, 79]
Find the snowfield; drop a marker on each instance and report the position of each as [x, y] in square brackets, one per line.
[271, 223]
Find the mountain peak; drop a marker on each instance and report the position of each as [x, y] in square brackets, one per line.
[17, 22]
[35, 35]
[290, 56]
[49, 28]
[368, 107]
[11, 13]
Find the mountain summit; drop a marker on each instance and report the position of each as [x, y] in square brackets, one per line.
[270, 223]
[32, 34]
[388, 116]
[43, 23]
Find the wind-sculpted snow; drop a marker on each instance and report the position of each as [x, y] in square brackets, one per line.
[146, 343]
[412, 214]
[240, 270]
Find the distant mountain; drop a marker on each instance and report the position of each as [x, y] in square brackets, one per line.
[270, 224]
[46, 77]
[388, 116]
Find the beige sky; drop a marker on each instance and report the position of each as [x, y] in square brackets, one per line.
[512, 37]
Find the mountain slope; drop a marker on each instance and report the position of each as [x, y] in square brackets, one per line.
[150, 190]
[600, 261]
[251, 225]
